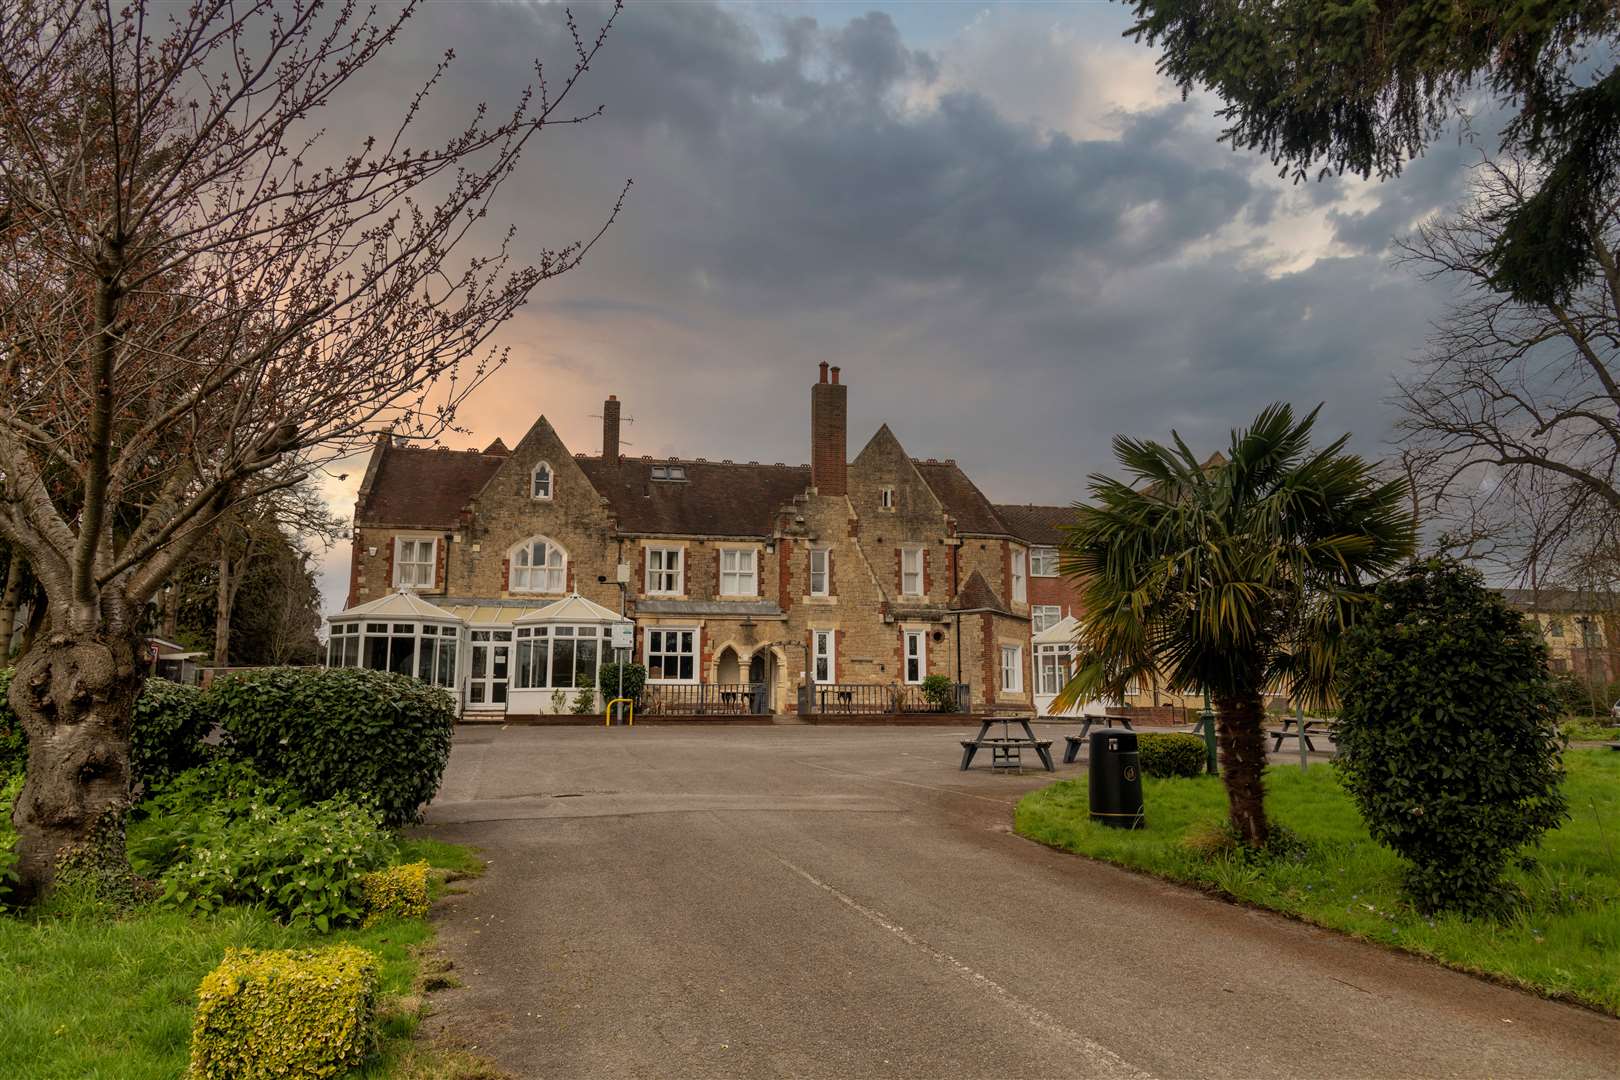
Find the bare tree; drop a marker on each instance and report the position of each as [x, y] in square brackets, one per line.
[199, 284]
[1512, 421]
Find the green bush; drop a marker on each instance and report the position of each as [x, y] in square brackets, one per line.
[295, 1013]
[1448, 736]
[166, 737]
[940, 692]
[13, 743]
[585, 700]
[9, 788]
[304, 864]
[635, 678]
[327, 731]
[395, 892]
[1174, 753]
[186, 812]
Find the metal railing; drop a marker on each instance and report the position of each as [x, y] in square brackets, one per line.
[704, 699]
[912, 699]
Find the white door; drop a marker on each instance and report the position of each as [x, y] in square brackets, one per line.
[490, 668]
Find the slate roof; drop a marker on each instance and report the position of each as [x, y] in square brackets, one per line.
[1036, 524]
[422, 487]
[962, 498]
[1571, 601]
[977, 595]
[717, 498]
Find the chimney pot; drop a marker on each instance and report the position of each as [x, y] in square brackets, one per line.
[835, 376]
[824, 371]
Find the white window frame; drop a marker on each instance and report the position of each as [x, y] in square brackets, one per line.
[552, 574]
[739, 576]
[662, 580]
[678, 652]
[1040, 612]
[906, 553]
[886, 498]
[829, 653]
[1012, 675]
[550, 481]
[417, 565]
[825, 573]
[1020, 582]
[1056, 660]
[1043, 561]
[919, 640]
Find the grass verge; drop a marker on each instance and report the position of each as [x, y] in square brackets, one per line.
[1562, 941]
[90, 997]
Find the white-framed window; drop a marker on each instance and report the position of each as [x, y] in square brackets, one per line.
[1043, 562]
[540, 481]
[671, 655]
[911, 571]
[669, 472]
[1019, 581]
[820, 572]
[886, 498]
[1045, 616]
[1051, 668]
[665, 571]
[1012, 669]
[414, 562]
[739, 572]
[824, 662]
[539, 565]
[916, 655]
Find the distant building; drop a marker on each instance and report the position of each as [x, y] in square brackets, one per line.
[1581, 628]
[822, 585]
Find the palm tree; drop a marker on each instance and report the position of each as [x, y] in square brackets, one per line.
[1236, 575]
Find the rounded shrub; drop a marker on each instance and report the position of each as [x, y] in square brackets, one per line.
[328, 731]
[1448, 738]
[1171, 753]
[635, 678]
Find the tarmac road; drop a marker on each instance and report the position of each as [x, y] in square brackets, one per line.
[842, 902]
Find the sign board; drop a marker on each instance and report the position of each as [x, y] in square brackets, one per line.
[623, 635]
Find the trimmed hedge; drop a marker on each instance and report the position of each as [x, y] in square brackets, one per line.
[293, 1013]
[1168, 754]
[165, 736]
[396, 892]
[330, 731]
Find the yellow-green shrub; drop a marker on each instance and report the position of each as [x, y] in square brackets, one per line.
[396, 891]
[290, 1014]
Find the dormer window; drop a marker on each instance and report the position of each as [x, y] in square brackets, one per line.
[669, 472]
[540, 487]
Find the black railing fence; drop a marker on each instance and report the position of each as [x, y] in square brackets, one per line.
[868, 699]
[703, 699]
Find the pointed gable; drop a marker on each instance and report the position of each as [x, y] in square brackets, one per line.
[512, 479]
[977, 595]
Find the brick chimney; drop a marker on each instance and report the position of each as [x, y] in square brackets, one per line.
[829, 423]
[610, 430]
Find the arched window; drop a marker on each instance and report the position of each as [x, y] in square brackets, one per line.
[539, 565]
[540, 486]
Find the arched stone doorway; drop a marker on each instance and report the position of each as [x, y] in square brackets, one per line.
[764, 667]
[727, 666]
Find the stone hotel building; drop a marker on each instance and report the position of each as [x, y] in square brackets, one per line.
[505, 575]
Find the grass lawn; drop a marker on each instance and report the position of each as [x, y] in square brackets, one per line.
[1564, 940]
[94, 998]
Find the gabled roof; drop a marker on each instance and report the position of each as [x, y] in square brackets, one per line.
[396, 605]
[1059, 633]
[1036, 524]
[572, 608]
[717, 498]
[977, 595]
[423, 488]
[961, 498]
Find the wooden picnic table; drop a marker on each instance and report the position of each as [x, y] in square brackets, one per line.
[1075, 742]
[1001, 746]
[1313, 726]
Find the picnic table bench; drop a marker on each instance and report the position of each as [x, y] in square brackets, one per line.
[1291, 730]
[1004, 749]
[1075, 742]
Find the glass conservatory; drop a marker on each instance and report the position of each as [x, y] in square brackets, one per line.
[402, 633]
[554, 647]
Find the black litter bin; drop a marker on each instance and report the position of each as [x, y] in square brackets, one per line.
[1116, 780]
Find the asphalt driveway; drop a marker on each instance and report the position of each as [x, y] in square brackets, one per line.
[802, 901]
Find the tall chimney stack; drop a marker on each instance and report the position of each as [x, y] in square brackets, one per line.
[829, 424]
[610, 430]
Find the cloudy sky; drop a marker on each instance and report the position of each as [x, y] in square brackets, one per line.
[1011, 233]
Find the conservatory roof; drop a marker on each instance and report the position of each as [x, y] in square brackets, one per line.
[1059, 633]
[396, 605]
[572, 609]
